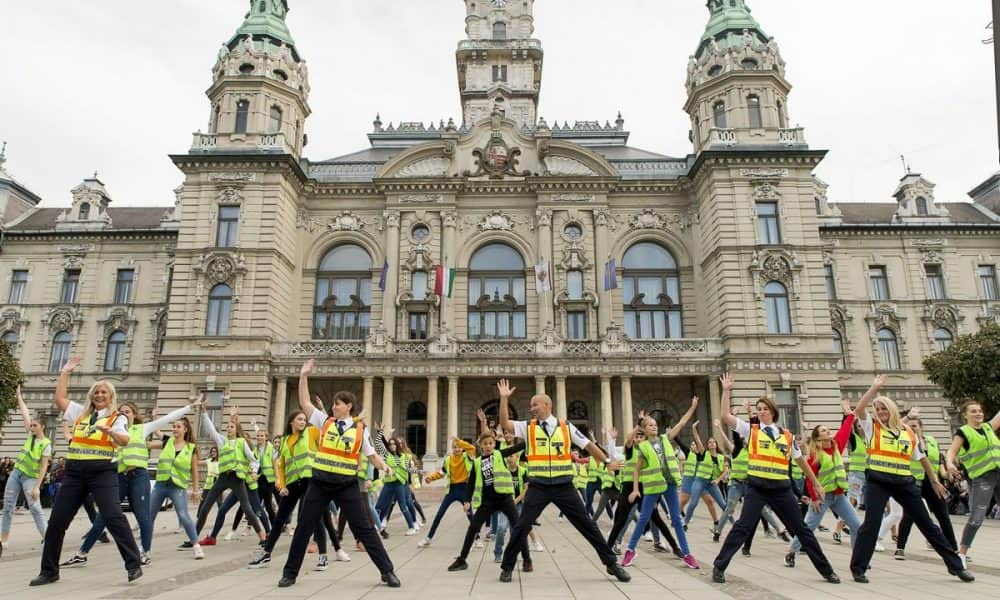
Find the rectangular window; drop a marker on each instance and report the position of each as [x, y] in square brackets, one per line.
[418, 326]
[831, 282]
[123, 286]
[988, 282]
[767, 223]
[499, 73]
[576, 325]
[229, 221]
[18, 286]
[878, 287]
[70, 286]
[935, 282]
[788, 408]
[214, 408]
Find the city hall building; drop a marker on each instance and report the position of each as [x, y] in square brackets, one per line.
[419, 270]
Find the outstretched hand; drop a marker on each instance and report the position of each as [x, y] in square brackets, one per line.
[505, 389]
[308, 368]
[71, 364]
[727, 381]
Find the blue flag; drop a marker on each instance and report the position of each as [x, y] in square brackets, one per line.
[384, 275]
[610, 275]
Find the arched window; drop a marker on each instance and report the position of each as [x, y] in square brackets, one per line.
[60, 351]
[942, 339]
[499, 30]
[497, 305]
[719, 114]
[343, 294]
[749, 64]
[84, 211]
[779, 319]
[922, 206]
[753, 107]
[274, 122]
[10, 338]
[242, 116]
[220, 305]
[418, 289]
[651, 292]
[888, 349]
[838, 347]
[114, 356]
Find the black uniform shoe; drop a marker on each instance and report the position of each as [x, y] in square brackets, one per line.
[859, 577]
[104, 538]
[746, 551]
[384, 534]
[134, 574]
[963, 574]
[391, 580]
[458, 565]
[715, 537]
[790, 560]
[619, 572]
[527, 567]
[286, 582]
[718, 575]
[831, 578]
[186, 545]
[43, 580]
[505, 576]
[785, 537]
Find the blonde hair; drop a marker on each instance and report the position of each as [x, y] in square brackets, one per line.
[895, 422]
[112, 402]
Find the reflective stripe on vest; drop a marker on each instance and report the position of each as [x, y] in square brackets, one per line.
[89, 443]
[136, 454]
[983, 454]
[399, 465]
[933, 453]
[363, 468]
[767, 458]
[232, 457]
[741, 463]
[298, 459]
[651, 476]
[175, 467]
[579, 476]
[594, 471]
[29, 460]
[859, 456]
[890, 453]
[503, 483]
[832, 474]
[549, 457]
[266, 460]
[340, 453]
[690, 464]
[706, 467]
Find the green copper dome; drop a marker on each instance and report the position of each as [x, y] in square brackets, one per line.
[265, 23]
[728, 20]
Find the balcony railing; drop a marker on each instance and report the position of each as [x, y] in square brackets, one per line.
[499, 45]
[320, 348]
[260, 142]
[412, 348]
[581, 348]
[496, 348]
[704, 346]
[792, 137]
[725, 137]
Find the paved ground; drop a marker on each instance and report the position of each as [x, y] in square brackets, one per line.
[568, 569]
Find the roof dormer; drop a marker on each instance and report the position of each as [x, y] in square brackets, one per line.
[915, 196]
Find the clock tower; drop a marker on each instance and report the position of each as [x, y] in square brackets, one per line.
[499, 64]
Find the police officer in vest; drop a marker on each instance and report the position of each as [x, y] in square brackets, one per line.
[550, 477]
[342, 442]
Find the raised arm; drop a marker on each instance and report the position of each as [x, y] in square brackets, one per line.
[62, 384]
[219, 439]
[24, 409]
[630, 438]
[305, 403]
[156, 424]
[481, 417]
[676, 430]
[698, 446]
[861, 410]
[995, 422]
[724, 443]
[727, 411]
[506, 391]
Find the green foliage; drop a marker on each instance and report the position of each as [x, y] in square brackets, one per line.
[10, 377]
[970, 368]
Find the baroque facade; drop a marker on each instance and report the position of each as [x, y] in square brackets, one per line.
[419, 270]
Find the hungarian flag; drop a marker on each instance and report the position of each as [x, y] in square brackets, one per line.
[610, 275]
[444, 281]
[543, 278]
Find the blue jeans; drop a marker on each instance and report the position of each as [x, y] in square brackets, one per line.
[133, 485]
[703, 486]
[456, 493]
[19, 482]
[501, 532]
[164, 490]
[671, 500]
[400, 493]
[840, 505]
[592, 488]
[649, 503]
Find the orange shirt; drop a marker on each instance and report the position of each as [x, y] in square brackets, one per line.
[459, 472]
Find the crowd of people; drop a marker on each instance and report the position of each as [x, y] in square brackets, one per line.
[876, 471]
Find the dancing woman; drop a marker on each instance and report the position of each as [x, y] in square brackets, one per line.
[28, 474]
[176, 472]
[710, 471]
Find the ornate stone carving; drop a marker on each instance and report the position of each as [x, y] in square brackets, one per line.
[764, 173]
[650, 219]
[605, 218]
[563, 165]
[496, 221]
[543, 217]
[497, 159]
[61, 318]
[436, 166]
[775, 265]
[303, 220]
[776, 269]
[347, 221]
[766, 190]
[573, 198]
[231, 177]
[220, 269]
[450, 218]
[230, 195]
[420, 198]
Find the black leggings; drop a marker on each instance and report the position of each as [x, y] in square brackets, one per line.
[939, 507]
[231, 481]
[622, 511]
[609, 498]
[286, 504]
[493, 502]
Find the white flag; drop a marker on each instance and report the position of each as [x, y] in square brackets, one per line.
[543, 278]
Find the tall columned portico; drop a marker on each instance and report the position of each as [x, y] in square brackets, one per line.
[561, 397]
[432, 417]
[452, 406]
[388, 407]
[628, 416]
[607, 418]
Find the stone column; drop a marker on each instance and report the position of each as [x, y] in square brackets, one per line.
[606, 414]
[561, 397]
[392, 276]
[602, 247]
[449, 258]
[539, 384]
[452, 406]
[366, 395]
[388, 411]
[627, 417]
[432, 417]
[278, 410]
[714, 404]
[544, 220]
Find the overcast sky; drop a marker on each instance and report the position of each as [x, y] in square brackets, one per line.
[115, 86]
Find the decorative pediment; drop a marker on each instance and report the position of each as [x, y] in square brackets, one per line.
[564, 165]
[347, 221]
[839, 317]
[885, 316]
[436, 166]
[765, 189]
[219, 267]
[775, 264]
[13, 320]
[117, 319]
[497, 220]
[496, 159]
[651, 219]
[61, 318]
[419, 259]
[943, 315]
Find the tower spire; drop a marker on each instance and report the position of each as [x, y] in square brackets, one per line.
[3, 157]
[265, 25]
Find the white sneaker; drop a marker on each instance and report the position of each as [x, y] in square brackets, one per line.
[648, 537]
[342, 556]
[539, 547]
[424, 543]
[479, 543]
[384, 523]
[198, 552]
[230, 535]
[411, 531]
[879, 547]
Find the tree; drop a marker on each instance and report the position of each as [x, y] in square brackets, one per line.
[970, 368]
[10, 377]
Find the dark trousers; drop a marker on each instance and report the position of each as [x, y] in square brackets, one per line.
[492, 503]
[101, 480]
[231, 481]
[624, 508]
[230, 502]
[939, 507]
[905, 492]
[88, 505]
[266, 490]
[566, 498]
[591, 490]
[785, 505]
[456, 493]
[286, 504]
[609, 498]
[346, 493]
